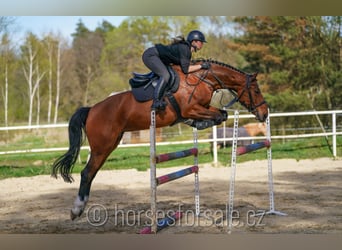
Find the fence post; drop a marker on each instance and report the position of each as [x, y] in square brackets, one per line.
[334, 134]
[214, 129]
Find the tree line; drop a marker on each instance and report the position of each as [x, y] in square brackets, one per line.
[46, 77]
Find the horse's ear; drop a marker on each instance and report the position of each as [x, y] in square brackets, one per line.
[255, 74]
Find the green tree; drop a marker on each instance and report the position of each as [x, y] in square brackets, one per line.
[8, 67]
[87, 47]
[324, 77]
[124, 46]
[295, 55]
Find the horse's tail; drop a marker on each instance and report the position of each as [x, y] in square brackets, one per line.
[65, 163]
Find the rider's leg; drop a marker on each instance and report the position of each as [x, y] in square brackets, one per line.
[154, 63]
[158, 102]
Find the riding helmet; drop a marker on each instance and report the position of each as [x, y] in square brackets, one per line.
[196, 35]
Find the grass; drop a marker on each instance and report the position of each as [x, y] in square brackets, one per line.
[31, 164]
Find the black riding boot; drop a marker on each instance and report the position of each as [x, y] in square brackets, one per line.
[158, 102]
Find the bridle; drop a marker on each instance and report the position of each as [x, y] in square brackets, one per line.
[251, 108]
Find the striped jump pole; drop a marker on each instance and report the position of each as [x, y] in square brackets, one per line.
[176, 155]
[176, 175]
[253, 147]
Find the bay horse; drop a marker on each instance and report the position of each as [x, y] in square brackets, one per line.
[105, 122]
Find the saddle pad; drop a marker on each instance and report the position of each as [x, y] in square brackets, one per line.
[143, 94]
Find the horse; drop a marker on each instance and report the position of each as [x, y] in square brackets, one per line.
[256, 128]
[247, 130]
[105, 122]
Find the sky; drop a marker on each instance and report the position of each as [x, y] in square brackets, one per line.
[64, 24]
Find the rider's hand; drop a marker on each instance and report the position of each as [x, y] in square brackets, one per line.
[205, 65]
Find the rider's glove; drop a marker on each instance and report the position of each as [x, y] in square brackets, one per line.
[205, 65]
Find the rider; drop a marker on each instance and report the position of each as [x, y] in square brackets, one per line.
[178, 52]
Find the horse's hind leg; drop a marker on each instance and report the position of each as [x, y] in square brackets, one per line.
[95, 162]
[84, 190]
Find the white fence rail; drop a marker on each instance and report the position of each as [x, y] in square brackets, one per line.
[334, 133]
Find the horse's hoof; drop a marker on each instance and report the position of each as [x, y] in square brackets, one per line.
[224, 113]
[73, 215]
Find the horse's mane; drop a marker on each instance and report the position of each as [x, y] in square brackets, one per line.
[194, 61]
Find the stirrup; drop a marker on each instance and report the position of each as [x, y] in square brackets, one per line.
[158, 105]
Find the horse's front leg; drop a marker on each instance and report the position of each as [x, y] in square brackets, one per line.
[204, 118]
[223, 117]
[199, 112]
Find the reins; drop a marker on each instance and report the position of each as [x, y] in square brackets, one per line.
[252, 107]
[201, 78]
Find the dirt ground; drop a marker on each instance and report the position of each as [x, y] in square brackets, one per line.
[308, 191]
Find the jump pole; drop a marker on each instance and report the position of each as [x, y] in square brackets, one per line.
[270, 173]
[176, 155]
[253, 147]
[153, 174]
[154, 159]
[243, 150]
[232, 172]
[176, 175]
[197, 194]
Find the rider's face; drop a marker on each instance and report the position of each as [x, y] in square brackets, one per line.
[197, 44]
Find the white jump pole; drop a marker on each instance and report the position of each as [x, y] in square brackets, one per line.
[197, 194]
[270, 172]
[153, 175]
[154, 159]
[233, 171]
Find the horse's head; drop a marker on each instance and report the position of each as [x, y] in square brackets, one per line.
[244, 86]
[252, 99]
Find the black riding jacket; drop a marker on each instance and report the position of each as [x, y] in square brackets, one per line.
[178, 54]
